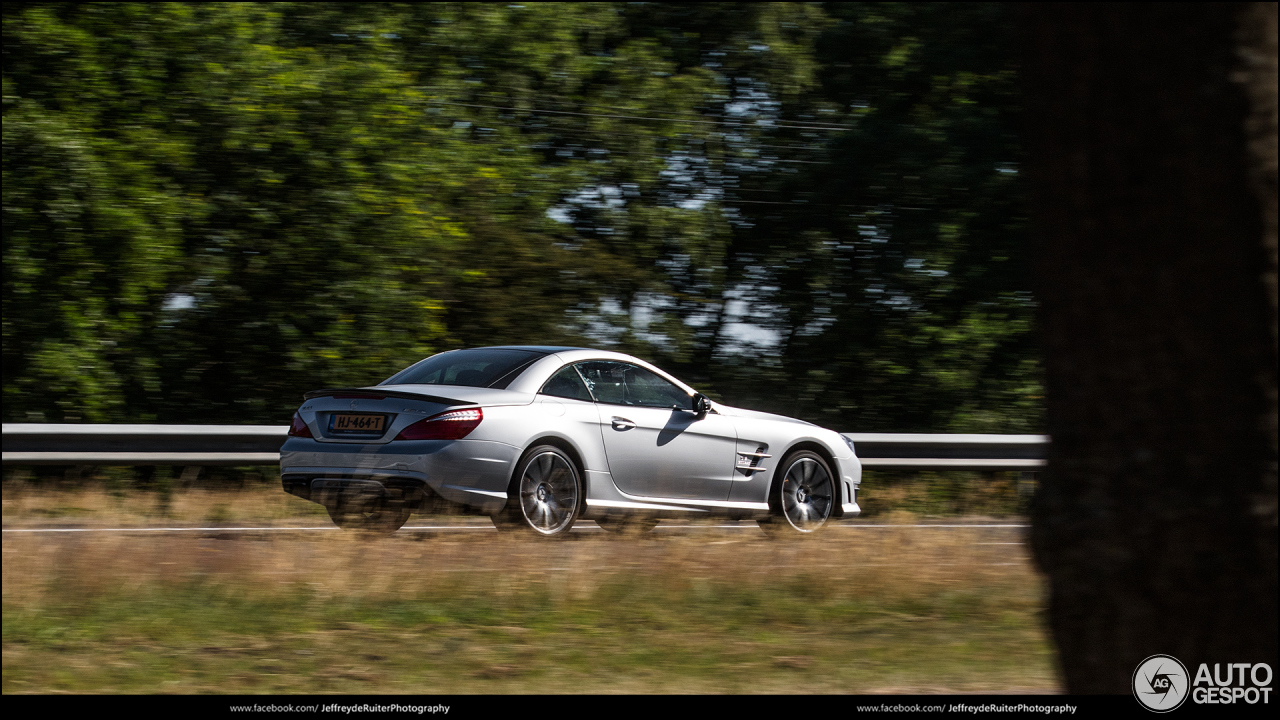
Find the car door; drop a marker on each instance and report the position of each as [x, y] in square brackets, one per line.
[656, 446]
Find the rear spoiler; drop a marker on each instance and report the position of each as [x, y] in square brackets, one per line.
[378, 393]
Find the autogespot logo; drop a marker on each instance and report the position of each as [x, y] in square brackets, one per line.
[1160, 683]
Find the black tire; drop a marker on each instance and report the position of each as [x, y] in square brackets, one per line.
[627, 525]
[802, 496]
[379, 519]
[546, 494]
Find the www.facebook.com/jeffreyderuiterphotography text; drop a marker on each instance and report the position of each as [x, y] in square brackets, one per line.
[340, 708]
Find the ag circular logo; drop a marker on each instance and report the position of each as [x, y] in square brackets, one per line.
[1160, 683]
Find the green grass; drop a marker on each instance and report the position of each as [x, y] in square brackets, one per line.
[890, 611]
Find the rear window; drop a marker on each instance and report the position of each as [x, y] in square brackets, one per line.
[567, 384]
[489, 368]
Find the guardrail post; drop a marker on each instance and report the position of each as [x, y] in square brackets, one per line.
[190, 474]
[1027, 481]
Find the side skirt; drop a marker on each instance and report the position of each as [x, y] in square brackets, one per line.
[672, 507]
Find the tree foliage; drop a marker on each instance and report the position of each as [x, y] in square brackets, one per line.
[209, 208]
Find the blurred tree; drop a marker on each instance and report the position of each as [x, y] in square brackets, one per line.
[1156, 517]
[209, 209]
[608, 109]
[887, 257]
[256, 218]
[93, 230]
[845, 188]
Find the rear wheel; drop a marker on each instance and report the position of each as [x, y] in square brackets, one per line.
[802, 496]
[545, 495]
[375, 518]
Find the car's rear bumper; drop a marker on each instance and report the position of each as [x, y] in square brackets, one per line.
[471, 473]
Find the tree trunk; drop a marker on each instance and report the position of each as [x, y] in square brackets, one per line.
[1155, 520]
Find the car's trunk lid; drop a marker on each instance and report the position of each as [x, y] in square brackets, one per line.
[375, 415]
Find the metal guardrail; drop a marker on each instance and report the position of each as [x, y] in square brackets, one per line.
[194, 445]
[64, 444]
[950, 452]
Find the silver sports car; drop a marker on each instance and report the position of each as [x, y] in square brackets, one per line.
[539, 437]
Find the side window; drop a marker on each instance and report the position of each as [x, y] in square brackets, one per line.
[625, 384]
[651, 390]
[566, 384]
[606, 380]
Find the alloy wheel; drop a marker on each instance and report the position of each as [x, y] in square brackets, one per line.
[807, 492]
[549, 492]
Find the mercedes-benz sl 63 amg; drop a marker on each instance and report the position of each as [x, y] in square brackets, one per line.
[538, 438]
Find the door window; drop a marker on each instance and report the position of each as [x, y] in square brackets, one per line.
[621, 383]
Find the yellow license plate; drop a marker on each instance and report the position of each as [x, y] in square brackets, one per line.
[353, 423]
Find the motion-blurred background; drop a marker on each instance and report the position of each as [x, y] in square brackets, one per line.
[808, 209]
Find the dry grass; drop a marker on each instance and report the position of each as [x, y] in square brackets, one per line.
[110, 497]
[96, 505]
[887, 610]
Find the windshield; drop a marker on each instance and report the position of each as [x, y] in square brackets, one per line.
[483, 367]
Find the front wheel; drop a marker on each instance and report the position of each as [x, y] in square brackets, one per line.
[545, 495]
[802, 496]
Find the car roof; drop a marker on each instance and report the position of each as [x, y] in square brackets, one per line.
[547, 349]
[567, 354]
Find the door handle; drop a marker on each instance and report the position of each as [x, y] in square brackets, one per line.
[620, 423]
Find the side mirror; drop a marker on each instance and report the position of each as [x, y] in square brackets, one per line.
[701, 405]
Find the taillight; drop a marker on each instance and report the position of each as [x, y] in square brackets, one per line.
[299, 428]
[451, 425]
